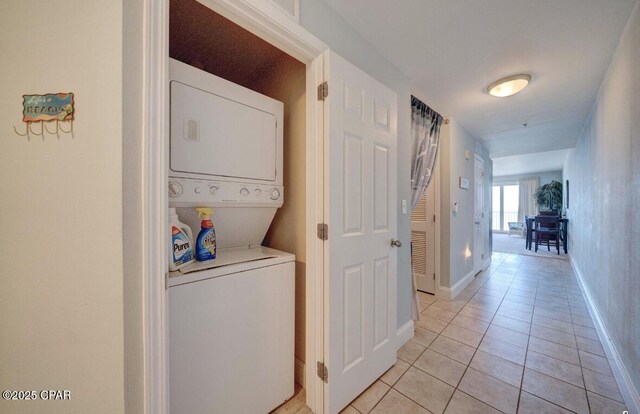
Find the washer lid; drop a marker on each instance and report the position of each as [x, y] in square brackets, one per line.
[229, 261]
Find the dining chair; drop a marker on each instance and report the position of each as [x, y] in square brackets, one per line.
[547, 228]
[529, 230]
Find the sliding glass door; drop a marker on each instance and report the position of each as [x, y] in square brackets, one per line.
[505, 206]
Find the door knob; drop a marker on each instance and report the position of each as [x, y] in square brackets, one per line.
[396, 243]
[477, 222]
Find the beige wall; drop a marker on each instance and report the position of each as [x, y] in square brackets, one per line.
[132, 209]
[604, 220]
[61, 290]
[286, 82]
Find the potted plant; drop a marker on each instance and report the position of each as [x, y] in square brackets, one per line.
[549, 196]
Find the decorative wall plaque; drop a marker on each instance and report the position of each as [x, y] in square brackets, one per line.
[49, 107]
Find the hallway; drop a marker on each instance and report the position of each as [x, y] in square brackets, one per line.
[519, 339]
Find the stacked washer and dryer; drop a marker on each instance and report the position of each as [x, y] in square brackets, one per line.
[231, 320]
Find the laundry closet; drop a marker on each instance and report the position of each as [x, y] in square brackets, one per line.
[257, 193]
[298, 159]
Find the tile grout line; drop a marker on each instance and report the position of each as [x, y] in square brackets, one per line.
[438, 335]
[479, 343]
[526, 354]
[537, 294]
[542, 288]
[580, 366]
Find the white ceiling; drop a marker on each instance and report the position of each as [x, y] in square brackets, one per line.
[529, 163]
[452, 49]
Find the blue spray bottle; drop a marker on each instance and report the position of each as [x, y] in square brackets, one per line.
[206, 241]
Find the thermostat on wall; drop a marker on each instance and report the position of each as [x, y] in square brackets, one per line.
[464, 183]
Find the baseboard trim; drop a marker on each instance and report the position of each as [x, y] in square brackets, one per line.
[404, 333]
[486, 263]
[298, 372]
[620, 372]
[452, 292]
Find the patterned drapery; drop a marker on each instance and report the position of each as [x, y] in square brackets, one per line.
[425, 137]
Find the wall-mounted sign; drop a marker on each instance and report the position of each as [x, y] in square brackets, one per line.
[49, 107]
[464, 183]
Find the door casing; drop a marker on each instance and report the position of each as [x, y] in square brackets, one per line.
[478, 251]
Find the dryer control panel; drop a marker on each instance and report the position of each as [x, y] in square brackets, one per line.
[187, 192]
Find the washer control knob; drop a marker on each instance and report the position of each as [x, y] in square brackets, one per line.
[175, 189]
[213, 189]
[257, 192]
[275, 194]
[197, 190]
[244, 191]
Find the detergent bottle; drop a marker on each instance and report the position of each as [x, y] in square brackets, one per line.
[206, 241]
[181, 249]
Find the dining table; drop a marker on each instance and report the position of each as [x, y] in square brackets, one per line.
[564, 233]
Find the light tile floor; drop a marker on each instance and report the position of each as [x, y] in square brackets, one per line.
[518, 339]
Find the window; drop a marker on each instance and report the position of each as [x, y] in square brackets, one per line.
[505, 206]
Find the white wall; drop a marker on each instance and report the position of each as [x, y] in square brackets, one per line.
[604, 220]
[457, 229]
[318, 18]
[61, 290]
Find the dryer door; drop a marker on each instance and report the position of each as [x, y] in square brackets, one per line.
[219, 137]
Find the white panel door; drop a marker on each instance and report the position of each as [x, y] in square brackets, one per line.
[478, 214]
[360, 210]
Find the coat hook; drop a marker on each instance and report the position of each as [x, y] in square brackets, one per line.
[70, 131]
[26, 133]
[35, 133]
[56, 132]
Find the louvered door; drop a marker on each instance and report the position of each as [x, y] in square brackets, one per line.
[423, 231]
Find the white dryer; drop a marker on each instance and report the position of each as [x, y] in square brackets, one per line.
[231, 320]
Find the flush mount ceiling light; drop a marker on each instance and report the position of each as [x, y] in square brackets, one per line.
[509, 86]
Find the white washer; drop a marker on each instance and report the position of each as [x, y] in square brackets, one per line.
[231, 342]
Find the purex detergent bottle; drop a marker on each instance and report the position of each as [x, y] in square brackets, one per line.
[181, 247]
[206, 241]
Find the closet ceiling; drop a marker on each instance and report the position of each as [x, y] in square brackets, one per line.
[452, 49]
[203, 38]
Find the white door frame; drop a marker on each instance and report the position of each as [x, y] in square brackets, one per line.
[263, 19]
[438, 191]
[478, 159]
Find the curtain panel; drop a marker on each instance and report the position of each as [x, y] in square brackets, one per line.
[527, 206]
[425, 137]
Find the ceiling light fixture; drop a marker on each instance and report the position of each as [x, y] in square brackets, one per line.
[509, 86]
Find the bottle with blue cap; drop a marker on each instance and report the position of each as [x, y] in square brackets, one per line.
[206, 241]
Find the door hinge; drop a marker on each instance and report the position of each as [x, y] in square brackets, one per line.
[323, 231]
[434, 218]
[483, 255]
[323, 372]
[323, 91]
[434, 276]
[166, 281]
